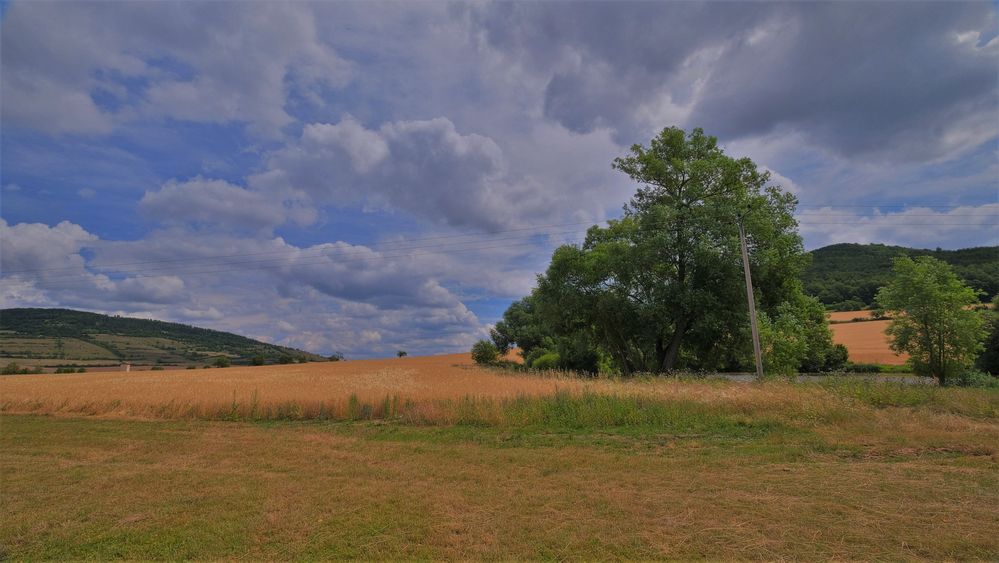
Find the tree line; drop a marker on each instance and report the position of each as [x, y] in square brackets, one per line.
[661, 289]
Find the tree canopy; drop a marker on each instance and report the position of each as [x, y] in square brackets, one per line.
[932, 317]
[661, 288]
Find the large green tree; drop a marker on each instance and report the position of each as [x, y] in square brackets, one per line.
[932, 319]
[662, 288]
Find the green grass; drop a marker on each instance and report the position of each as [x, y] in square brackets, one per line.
[841, 470]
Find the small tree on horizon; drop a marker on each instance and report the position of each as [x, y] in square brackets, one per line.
[401, 354]
[931, 317]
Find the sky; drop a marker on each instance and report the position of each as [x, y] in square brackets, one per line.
[370, 177]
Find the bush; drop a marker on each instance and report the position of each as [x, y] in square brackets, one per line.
[336, 357]
[485, 353]
[837, 358]
[401, 354]
[81, 370]
[156, 368]
[11, 369]
[547, 361]
[975, 378]
[221, 362]
[257, 360]
[285, 360]
[862, 368]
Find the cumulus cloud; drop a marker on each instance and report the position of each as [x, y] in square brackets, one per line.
[83, 67]
[219, 204]
[323, 297]
[429, 169]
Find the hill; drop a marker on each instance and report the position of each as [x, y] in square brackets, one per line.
[846, 277]
[64, 336]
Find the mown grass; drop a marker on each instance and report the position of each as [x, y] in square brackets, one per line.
[843, 469]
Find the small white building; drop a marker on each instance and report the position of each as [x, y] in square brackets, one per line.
[125, 366]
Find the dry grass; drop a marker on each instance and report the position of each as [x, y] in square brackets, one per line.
[480, 464]
[85, 488]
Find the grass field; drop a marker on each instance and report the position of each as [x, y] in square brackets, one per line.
[479, 464]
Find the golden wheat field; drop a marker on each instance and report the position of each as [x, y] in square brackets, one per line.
[326, 385]
[866, 341]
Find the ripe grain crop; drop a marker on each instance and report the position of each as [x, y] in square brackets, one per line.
[866, 342]
[329, 387]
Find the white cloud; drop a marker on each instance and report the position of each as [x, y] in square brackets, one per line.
[919, 227]
[219, 204]
[202, 62]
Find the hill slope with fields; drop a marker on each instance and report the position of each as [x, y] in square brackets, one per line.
[63, 336]
[846, 277]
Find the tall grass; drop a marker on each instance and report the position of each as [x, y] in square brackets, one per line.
[883, 394]
[564, 410]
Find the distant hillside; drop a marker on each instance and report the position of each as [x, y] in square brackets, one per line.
[846, 277]
[63, 336]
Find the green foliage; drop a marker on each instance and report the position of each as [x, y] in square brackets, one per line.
[975, 378]
[336, 357]
[222, 362]
[485, 353]
[662, 288]
[161, 368]
[931, 319]
[783, 341]
[547, 361]
[988, 361]
[401, 354]
[846, 277]
[257, 360]
[14, 369]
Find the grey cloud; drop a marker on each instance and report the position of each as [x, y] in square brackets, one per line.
[900, 81]
[425, 168]
[219, 204]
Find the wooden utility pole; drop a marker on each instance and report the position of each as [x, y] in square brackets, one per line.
[752, 301]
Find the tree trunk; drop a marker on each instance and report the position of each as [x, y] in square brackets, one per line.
[673, 350]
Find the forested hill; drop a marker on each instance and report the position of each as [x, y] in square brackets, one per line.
[846, 277]
[66, 334]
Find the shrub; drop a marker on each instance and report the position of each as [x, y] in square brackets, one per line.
[11, 369]
[336, 357]
[285, 360]
[401, 354]
[547, 361]
[257, 360]
[156, 368]
[81, 370]
[485, 353]
[221, 362]
[862, 368]
[975, 378]
[837, 358]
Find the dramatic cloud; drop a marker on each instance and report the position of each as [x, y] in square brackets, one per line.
[877, 80]
[424, 168]
[367, 177]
